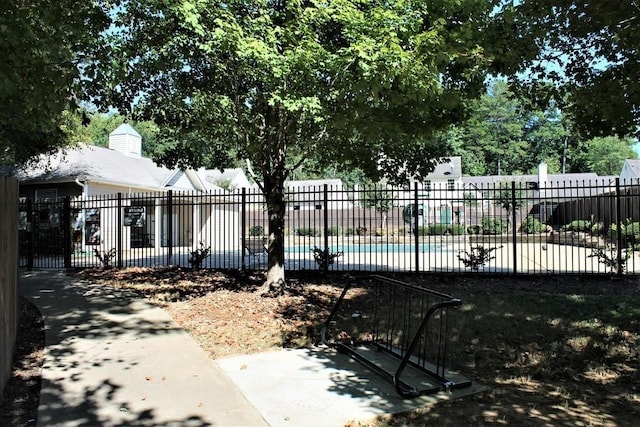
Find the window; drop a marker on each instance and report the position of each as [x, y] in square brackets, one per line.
[427, 185]
[44, 195]
[451, 184]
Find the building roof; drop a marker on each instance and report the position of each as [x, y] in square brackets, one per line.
[552, 179]
[125, 129]
[449, 168]
[233, 175]
[104, 165]
[631, 168]
[555, 185]
[312, 184]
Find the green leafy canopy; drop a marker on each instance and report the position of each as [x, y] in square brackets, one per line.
[47, 51]
[360, 82]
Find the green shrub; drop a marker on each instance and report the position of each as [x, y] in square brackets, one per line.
[474, 229]
[493, 226]
[423, 230]
[457, 229]
[324, 257]
[256, 230]
[532, 225]
[477, 256]
[630, 233]
[578, 225]
[438, 229]
[307, 231]
[633, 233]
[199, 255]
[334, 231]
[355, 231]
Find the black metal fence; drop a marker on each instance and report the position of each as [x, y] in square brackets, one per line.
[514, 227]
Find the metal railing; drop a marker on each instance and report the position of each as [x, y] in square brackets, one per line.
[574, 228]
[399, 330]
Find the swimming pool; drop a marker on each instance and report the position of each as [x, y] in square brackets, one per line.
[399, 248]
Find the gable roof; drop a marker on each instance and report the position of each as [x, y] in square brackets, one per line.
[234, 175]
[450, 168]
[125, 129]
[555, 185]
[107, 166]
[314, 184]
[631, 168]
[552, 179]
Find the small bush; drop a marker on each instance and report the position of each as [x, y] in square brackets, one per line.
[609, 257]
[324, 257]
[356, 231]
[630, 233]
[439, 229]
[532, 225]
[423, 230]
[198, 255]
[583, 225]
[334, 231]
[105, 257]
[477, 256]
[457, 229]
[256, 231]
[307, 231]
[493, 226]
[474, 229]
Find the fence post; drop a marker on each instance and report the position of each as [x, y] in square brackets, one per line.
[325, 207]
[119, 233]
[514, 238]
[169, 226]
[66, 231]
[30, 234]
[243, 227]
[415, 226]
[619, 228]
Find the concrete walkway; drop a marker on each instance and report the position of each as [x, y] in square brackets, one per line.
[113, 359]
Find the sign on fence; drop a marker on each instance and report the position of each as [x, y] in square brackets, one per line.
[134, 216]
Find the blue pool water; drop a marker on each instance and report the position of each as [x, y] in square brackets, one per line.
[400, 248]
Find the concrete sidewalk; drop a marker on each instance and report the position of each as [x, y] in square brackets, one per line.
[113, 359]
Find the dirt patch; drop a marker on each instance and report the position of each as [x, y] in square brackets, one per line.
[21, 395]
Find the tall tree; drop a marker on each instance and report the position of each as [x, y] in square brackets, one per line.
[493, 136]
[584, 54]
[44, 47]
[606, 155]
[352, 81]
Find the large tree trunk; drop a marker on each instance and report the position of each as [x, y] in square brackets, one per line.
[276, 208]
